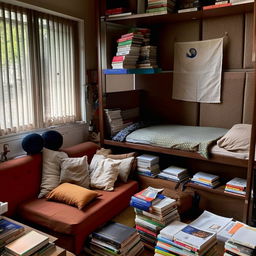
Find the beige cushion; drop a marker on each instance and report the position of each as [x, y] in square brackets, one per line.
[72, 194]
[95, 161]
[104, 151]
[105, 175]
[237, 139]
[50, 170]
[75, 170]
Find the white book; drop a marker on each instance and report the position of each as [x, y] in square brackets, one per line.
[245, 236]
[211, 222]
[175, 170]
[173, 228]
[239, 182]
[164, 204]
[148, 159]
[206, 176]
[192, 9]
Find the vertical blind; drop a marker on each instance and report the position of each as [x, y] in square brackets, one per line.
[37, 70]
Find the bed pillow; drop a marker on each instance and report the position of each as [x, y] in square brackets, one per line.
[72, 194]
[50, 170]
[105, 175]
[75, 170]
[237, 139]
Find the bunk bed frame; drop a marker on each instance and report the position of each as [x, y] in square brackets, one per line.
[113, 100]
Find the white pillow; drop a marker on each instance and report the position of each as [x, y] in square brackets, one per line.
[50, 170]
[75, 171]
[105, 175]
[95, 161]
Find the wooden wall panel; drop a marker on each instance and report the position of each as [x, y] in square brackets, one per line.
[229, 112]
[248, 39]
[171, 33]
[233, 42]
[248, 98]
[158, 102]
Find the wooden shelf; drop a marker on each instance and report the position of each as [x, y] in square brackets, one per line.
[214, 158]
[218, 191]
[163, 17]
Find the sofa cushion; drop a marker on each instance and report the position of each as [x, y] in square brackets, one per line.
[66, 219]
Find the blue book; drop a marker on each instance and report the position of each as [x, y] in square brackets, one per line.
[8, 229]
[141, 201]
[132, 71]
[139, 206]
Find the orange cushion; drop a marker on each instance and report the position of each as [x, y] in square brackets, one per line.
[72, 194]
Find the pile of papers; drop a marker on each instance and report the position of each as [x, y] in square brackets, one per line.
[115, 239]
[153, 212]
[148, 165]
[206, 179]
[174, 173]
[236, 186]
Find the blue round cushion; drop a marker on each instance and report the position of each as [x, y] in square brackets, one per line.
[52, 140]
[32, 143]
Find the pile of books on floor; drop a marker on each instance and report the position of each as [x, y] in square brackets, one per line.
[114, 121]
[236, 186]
[206, 179]
[128, 50]
[153, 212]
[148, 57]
[148, 165]
[161, 6]
[174, 173]
[197, 238]
[242, 242]
[31, 243]
[114, 239]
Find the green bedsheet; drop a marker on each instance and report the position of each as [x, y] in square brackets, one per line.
[188, 138]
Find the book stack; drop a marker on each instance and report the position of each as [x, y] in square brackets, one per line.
[181, 239]
[9, 231]
[148, 165]
[148, 57]
[188, 6]
[242, 242]
[117, 12]
[174, 173]
[235, 2]
[128, 50]
[153, 212]
[114, 121]
[115, 239]
[130, 115]
[236, 186]
[161, 6]
[32, 243]
[206, 179]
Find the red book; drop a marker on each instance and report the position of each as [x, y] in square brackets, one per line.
[115, 11]
[208, 7]
[146, 231]
[118, 58]
[125, 39]
[131, 34]
[186, 246]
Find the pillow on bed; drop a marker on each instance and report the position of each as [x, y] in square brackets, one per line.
[237, 139]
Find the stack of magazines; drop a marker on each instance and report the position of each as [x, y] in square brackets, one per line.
[206, 179]
[174, 173]
[236, 186]
[148, 165]
[153, 212]
[114, 239]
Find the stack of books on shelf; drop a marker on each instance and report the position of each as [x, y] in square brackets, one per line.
[130, 115]
[235, 2]
[174, 173]
[242, 242]
[188, 6]
[31, 243]
[114, 121]
[148, 57]
[9, 231]
[236, 186]
[206, 179]
[117, 12]
[114, 239]
[148, 165]
[161, 6]
[153, 212]
[128, 50]
[197, 238]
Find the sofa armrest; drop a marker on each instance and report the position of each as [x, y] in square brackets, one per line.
[86, 148]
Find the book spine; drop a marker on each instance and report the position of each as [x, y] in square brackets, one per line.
[106, 240]
[146, 231]
[186, 246]
[139, 206]
[141, 201]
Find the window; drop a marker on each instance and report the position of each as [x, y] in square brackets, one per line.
[38, 70]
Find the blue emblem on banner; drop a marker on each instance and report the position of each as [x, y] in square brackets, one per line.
[192, 53]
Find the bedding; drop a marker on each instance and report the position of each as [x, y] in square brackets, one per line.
[188, 138]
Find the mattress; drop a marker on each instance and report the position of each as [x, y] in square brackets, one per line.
[188, 138]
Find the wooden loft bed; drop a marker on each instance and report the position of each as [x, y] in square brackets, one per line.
[238, 87]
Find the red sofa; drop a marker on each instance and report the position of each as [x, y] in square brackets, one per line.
[20, 184]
